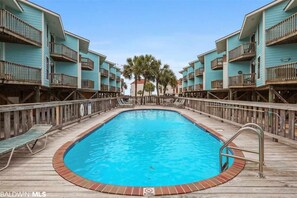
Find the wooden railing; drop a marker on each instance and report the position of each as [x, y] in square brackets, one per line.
[191, 75]
[242, 80]
[104, 72]
[118, 79]
[19, 73]
[282, 31]
[199, 87]
[9, 22]
[185, 78]
[154, 99]
[243, 52]
[217, 63]
[87, 64]
[17, 119]
[61, 52]
[185, 89]
[118, 89]
[112, 88]
[87, 84]
[199, 71]
[279, 120]
[112, 76]
[191, 88]
[217, 84]
[282, 73]
[104, 87]
[63, 80]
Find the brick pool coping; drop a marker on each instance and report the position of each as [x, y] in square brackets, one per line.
[59, 166]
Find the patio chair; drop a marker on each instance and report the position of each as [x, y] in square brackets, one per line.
[36, 133]
[124, 104]
[179, 103]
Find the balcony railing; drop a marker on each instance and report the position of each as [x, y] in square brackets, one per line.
[185, 89]
[282, 74]
[60, 52]
[243, 52]
[191, 75]
[63, 80]
[87, 84]
[112, 88]
[283, 32]
[198, 87]
[217, 84]
[104, 72]
[217, 63]
[191, 88]
[185, 78]
[199, 71]
[15, 30]
[112, 76]
[118, 89]
[87, 64]
[243, 80]
[118, 79]
[14, 73]
[104, 87]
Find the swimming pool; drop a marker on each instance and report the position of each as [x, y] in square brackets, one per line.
[146, 148]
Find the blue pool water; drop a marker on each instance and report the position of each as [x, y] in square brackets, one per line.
[146, 148]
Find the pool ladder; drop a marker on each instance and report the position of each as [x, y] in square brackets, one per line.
[247, 128]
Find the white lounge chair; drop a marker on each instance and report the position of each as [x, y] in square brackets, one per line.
[37, 132]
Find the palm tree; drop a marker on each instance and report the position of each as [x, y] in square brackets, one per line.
[123, 85]
[133, 69]
[149, 87]
[147, 62]
[167, 78]
[157, 73]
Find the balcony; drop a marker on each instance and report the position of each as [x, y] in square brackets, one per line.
[243, 52]
[62, 53]
[283, 33]
[199, 71]
[112, 88]
[242, 80]
[12, 73]
[15, 30]
[191, 88]
[282, 74]
[191, 76]
[87, 64]
[104, 72]
[118, 79]
[63, 81]
[87, 84]
[198, 87]
[217, 64]
[185, 78]
[185, 90]
[112, 76]
[118, 89]
[104, 87]
[217, 84]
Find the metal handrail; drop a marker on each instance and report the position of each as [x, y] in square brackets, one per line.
[249, 127]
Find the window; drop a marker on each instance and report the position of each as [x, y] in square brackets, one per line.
[47, 40]
[258, 34]
[259, 67]
[47, 68]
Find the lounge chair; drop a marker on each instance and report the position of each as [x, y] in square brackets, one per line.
[124, 104]
[179, 103]
[37, 132]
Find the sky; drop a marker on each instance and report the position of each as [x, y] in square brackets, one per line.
[174, 31]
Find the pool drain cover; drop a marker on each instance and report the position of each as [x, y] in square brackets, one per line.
[148, 192]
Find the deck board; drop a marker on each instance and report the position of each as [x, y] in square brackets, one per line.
[29, 173]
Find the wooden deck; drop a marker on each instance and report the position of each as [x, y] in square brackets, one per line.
[29, 173]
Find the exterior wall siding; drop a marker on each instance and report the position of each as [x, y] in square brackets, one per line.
[104, 80]
[94, 74]
[211, 75]
[199, 79]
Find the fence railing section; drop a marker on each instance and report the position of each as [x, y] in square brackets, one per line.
[217, 84]
[17, 119]
[191, 88]
[87, 64]
[285, 28]
[217, 63]
[199, 71]
[87, 84]
[242, 80]
[112, 88]
[63, 80]
[279, 120]
[104, 87]
[199, 87]
[118, 79]
[112, 76]
[9, 21]
[62, 51]
[185, 78]
[20, 73]
[191, 75]
[282, 73]
[243, 52]
[104, 72]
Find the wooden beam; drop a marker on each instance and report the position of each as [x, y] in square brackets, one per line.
[69, 95]
[261, 96]
[6, 99]
[28, 96]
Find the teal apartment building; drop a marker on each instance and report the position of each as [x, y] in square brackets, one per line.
[40, 61]
[257, 62]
